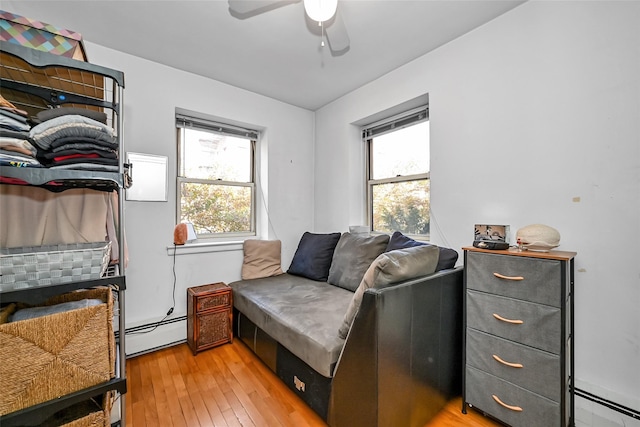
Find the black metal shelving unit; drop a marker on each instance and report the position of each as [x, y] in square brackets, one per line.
[40, 80]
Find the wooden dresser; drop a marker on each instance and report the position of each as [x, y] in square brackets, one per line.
[209, 316]
[518, 336]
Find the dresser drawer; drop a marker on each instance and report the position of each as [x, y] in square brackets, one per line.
[532, 279]
[536, 411]
[211, 301]
[530, 368]
[538, 326]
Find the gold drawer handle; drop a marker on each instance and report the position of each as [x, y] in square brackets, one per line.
[502, 276]
[513, 365]
[500, 402]
[515, 322]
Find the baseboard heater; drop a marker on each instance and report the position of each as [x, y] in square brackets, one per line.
[608, 403]
[148, 327]
[160, 347]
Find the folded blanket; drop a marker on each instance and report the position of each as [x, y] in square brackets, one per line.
[88, 166]
[33, 312]
[66, 140]
[13, 124]
[14, 133]
[61, 155]
[18, 145]
[12, 114]
[82, 146]
[12, 158]
[70, 160]
[52, 113]
[70, 126]
[6, 104]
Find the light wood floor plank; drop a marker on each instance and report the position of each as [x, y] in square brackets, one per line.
[228, 386]
[208, 387]
[177, 420]
[239, 411]
[182, 395]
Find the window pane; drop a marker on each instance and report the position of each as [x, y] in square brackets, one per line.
[208, 155]
[216, 208]
[403, 152]
[401, 206]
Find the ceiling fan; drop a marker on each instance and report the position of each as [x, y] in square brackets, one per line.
[324, 12]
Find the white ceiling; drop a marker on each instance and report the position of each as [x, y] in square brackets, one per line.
[276, 53]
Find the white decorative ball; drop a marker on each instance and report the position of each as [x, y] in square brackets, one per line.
[538, 235]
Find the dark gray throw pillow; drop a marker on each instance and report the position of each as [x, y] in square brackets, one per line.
[448, 257]
[313, 256]
[353, 256]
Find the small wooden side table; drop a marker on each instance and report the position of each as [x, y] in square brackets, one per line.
[209, 316]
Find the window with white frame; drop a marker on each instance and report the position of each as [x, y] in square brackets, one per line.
[398, 184]
[216, 177]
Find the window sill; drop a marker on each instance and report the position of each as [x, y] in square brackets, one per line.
[201, 247]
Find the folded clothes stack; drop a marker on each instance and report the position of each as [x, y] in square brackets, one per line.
[64, 138]
[15, 148]
[75, 138]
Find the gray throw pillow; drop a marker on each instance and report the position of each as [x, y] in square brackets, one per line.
[354, 253]
[391, 267]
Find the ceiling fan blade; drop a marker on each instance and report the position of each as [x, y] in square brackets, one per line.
[247, 8]
[337, 35]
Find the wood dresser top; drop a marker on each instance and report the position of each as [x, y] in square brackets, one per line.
[558, 255]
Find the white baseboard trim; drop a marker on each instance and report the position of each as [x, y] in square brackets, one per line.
[145, 338]
[606, 408]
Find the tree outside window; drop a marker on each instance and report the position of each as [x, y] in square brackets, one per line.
[398, 181]
[215, 182]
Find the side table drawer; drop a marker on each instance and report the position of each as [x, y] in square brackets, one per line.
[540, 325]
[535, 410]
[529, 368]
[217, 300]
[530, 279]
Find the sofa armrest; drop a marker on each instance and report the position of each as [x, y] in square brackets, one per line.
[402, 358]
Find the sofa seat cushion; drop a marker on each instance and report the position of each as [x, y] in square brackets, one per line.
[301, 314]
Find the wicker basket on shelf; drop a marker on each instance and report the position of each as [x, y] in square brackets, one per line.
[33, 266]
[57, 354]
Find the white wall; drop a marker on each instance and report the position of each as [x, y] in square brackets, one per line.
[535, 118]
[152, 93]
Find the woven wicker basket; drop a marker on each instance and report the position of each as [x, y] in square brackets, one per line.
[51, 356]
[32, 266]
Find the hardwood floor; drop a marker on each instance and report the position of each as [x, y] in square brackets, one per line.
[229, 386]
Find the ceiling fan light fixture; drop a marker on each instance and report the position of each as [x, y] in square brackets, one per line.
[320, 10]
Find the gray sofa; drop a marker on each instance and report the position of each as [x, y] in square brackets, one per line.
[385, 351]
